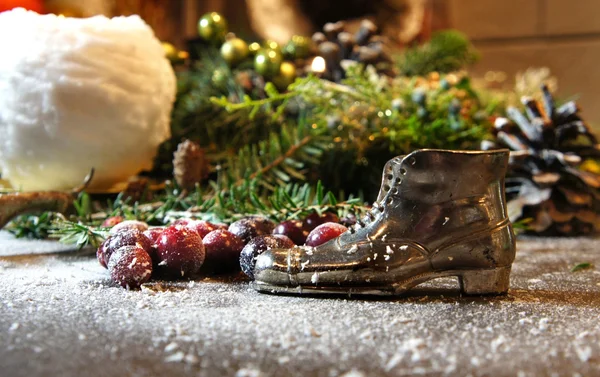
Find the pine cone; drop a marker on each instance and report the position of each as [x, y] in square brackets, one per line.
[189, 165]
[137, 190]
[335, 45]
[545, 181]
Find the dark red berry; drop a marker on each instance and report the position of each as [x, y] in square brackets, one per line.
[311, 222]
[201, 227]
[222, 226]
[250, 227]
[182, 221]
[128, 225]
[314, 220]
[323, 233]
[259, 245]
[180, 252]
[100, 255]
[112, 221]
[153, 234]
[130, 266]
[222, 251]
[293, 230]
[132, 237]
[330, 217]
[284, 241]
[348, 220]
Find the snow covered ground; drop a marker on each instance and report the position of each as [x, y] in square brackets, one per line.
[61, 316]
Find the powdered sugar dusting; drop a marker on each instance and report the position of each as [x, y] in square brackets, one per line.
[65, 310]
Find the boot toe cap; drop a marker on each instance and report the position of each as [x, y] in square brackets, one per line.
[272, 267]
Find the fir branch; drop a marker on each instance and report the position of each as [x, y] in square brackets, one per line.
[256, 105]
[33, 226]
[292, 201]
[447, 51]
[280, 159]
[80, 234]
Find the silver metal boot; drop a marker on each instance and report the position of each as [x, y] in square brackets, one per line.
[439, 213]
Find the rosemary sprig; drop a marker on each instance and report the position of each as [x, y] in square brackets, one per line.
[69, 232]
[33, 226]
[292, 201]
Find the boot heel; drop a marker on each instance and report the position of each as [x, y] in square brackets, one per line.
[485, 282]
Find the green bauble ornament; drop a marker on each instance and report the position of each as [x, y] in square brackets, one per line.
[234, 51]
[219, 79]
[286, 76]
[254, 48]
[174, 55]
[297, 48]
[271, 45]
[268, 62]
[212, 27]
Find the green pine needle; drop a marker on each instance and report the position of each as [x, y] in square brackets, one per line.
[79, 234]
[447, 51]
[582, 266]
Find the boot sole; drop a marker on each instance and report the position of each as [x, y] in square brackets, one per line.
[493, 281]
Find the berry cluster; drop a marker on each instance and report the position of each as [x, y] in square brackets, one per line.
[133, 253]
[315, 230]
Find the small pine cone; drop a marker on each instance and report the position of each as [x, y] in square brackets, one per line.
[189, 165]
[137, 190]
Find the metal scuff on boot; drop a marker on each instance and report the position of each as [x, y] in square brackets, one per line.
[438, 213]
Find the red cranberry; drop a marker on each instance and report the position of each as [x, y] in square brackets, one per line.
[314, 220]
[293, 230]
[259, 245]
[100, 255]
[201, 227]
[222, 251]
[180, 251]
[132, 237]
[153, 234]
[284, 241]
[112, 221]
[250, 227]
[129, 224]
[222, 226]
[130, 267]
[348, 220]
[323, 233]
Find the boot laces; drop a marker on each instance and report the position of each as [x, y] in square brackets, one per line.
[369, 217]
[390, 188]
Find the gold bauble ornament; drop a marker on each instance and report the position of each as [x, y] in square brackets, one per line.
[234, 51]
[271, 45]
[268, 62]
[297, 48]
[170, 50]
[212, 27]
[254, 47]
[286, 76]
